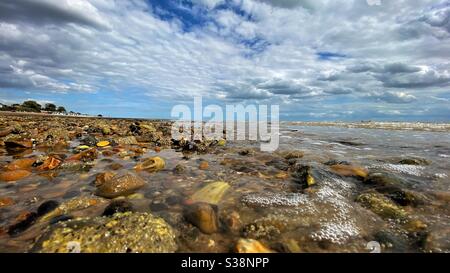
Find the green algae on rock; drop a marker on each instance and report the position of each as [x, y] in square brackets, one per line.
[123, 232]
[381, 205]
[211, 193]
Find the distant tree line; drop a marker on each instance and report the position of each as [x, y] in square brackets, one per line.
[32, 106]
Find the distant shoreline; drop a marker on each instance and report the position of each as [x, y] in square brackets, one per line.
[385, 125]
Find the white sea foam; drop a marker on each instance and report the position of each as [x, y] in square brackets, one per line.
[399, 168]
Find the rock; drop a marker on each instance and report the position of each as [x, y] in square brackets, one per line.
[414, 161]
[288, 155]
[123, 232]
[403, 197]
[118, 206]
[101, 178]
[130, 140]
[20, 164]
[203, 165]
[50, 163]
[179, 169]
[72, 205]
[27, 220]
[203, 216]
[212, 193]
[103, 144]
[85, 156]
[383, 179]
[233, 221]
[246, 152]
[303, 176]
[349, 170]
[381, 205]
[20, 143]
[152, 164]
[6, 201]
[120, 185]
[5, 132]
[9, 176]
[89, 141]
[336, 162]
[47, 207]
[251, 246]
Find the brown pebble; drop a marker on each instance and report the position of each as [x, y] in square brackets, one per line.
[6, 201]
[203, 216]
[14, 175]
[203, 165]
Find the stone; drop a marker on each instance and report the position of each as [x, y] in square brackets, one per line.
[381, 205]
[20, 164]
[179, 169]
[103, 144]
[129, 232]
[9, 176]
[203, 165]
[203, 216]
[6, 201]
[19, 143]
[349, 170]
[72, 205]
[292, 154]
[89, 141]
[25, 221]
[47, 207]
[129, 140]
[120, 185]
[251, 246]
[303, 176]
[403, 197]
[85, 156]
[414, 161]
[152, 164]
[50, 163]
[212, 193]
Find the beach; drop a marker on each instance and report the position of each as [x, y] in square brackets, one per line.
[76, 184]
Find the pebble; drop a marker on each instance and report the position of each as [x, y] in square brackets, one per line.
[203, 216]
[9, 176]
[120, 185]
[251, 246]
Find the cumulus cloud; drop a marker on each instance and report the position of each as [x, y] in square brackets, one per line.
[393, 97]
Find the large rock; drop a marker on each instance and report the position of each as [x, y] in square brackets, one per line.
[123, 232]
[119, 185]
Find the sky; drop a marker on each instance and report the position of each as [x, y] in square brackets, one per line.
[318, 60]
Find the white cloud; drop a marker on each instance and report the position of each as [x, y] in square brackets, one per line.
[396, 52]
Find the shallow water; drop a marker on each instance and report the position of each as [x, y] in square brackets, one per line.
[270, 206]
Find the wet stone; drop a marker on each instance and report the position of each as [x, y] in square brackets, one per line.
[120, 185]
[23, 224]
[121, 233]
[47, 207]
[203, 216]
